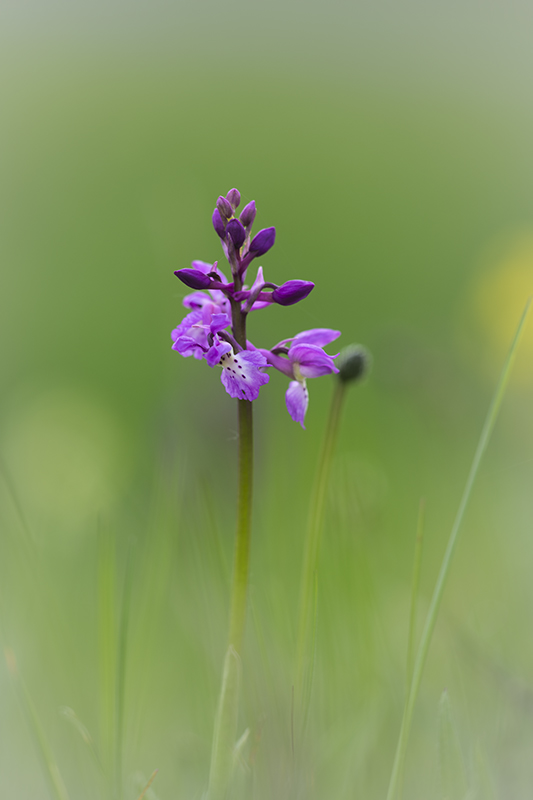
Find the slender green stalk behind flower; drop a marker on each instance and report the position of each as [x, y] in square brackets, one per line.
[431, 619]
[353, 363]
[214, 330]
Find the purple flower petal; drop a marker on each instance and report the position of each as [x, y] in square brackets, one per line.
[318, 336]
[241, 374]
[219, 272]
[224, 208]
[262, 242]
[237, 233]
[218, 223]
[219, 322]
[234, 198]
[282, 364]
[193, 278]
[220, 299]
[248, 214]
[202, 266]
[292, 292]
[216, 351]
[207, 314]
[311, 360]
[187, 322]
[196, 300]
[187, 346]
[259, 281]
[297, 400]
[259, 304]
[190, 337]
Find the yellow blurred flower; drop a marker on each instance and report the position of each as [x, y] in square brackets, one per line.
[500, 294]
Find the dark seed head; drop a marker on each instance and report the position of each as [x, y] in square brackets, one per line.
[353, 363]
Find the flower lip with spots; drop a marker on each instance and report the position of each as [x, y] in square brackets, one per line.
[242, 373]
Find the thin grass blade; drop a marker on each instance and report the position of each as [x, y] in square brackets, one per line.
[15, 499]
[436, 599]
[107, 647]
[415, 585]
[147, 787]
[306, 637]
[123, 633]
[484, 779]
[222, 756]
[55, 781]
[452, 770]
[72, 718]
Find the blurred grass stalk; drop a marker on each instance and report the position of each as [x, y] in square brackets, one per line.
[421, 656]
[107, 649]
[415, 584]
[147, 787]
[452, 769]
[305, 653]
[55, 781]
[123, 632]
[225, 729]
[113, 640]
[353, 363]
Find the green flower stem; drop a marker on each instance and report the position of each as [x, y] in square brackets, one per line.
[225, 731]
[307, 606]
[244, 526]
[447, 560]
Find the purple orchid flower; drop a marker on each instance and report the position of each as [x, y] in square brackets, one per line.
[216, 296]
[192, 336]
[305, 358]
[202, 334]
[214, 328]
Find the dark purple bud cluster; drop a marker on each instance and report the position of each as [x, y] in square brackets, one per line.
[235, 232]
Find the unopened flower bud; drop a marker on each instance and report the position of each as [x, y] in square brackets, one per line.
[193, 278]
[218, 223]
[248, 214]
[262, 242]
[237, 233]
[292, 292]
[224, 207]
[234, 198]
[353, 363]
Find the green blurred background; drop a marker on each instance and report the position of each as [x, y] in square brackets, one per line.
[390, 145]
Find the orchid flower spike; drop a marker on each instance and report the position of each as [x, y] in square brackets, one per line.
[214, 328]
